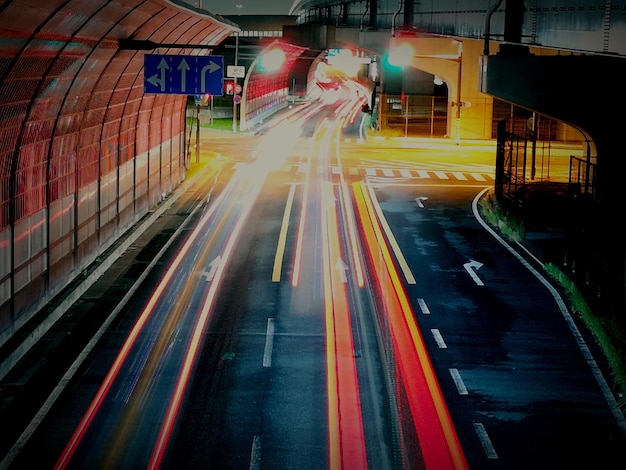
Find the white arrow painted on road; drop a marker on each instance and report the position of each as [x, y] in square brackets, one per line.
[342, 268]
[183, 67]
[213, 265]
[211, 67]
[470, 268]
[155, 80]
[420, 201]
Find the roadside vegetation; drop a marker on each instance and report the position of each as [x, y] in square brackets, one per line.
[609, 337]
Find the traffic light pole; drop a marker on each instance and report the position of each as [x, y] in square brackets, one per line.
[235, 86]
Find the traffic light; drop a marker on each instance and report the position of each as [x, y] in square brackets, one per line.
[229, 87]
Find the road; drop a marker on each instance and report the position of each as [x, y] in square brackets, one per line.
[327, 303]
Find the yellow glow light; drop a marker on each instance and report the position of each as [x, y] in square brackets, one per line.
[401, 55]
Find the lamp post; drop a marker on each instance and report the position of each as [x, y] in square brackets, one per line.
[457, 120]
[235, 86]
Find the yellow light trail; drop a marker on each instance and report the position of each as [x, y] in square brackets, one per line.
[439, 442]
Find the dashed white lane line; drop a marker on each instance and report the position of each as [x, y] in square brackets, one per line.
[438, 338]
[269, 343]
[458, 381]
[485, 441]
[423, 307]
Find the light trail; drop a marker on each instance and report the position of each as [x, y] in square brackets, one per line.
[346, 436]
[439, 443]
[349, 213]
[104, 388]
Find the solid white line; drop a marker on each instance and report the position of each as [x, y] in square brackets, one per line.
[423, 307]
[458, 381]
[485, 441]
[269, 343]
[255, 453]
[438, 338]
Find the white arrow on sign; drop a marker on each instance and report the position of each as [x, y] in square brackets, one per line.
[211, 67]
[183, 67]
[420, 201]
[155, 80]
[471, 267]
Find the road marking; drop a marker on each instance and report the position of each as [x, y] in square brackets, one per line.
[478, 177]
[255, 454]
[370, 172]
[441, 175]
[392, 239]
[406, 173]
[471, 267]
[423, 307]
[438, 338]
[388, 172]
[485, 441]
[269, 343]
[460, 176]
[341, 268]
[419, 201]
[423, 174]
[282, 238]
[458, 381]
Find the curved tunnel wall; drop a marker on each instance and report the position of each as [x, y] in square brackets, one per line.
[84, 153]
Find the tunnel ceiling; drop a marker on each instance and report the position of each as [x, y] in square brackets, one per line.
[62, 73]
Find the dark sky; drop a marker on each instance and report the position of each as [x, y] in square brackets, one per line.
[244, 7]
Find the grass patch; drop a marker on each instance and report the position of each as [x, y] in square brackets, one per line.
[497, 217]
[218, 124]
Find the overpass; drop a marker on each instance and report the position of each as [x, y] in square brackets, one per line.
[87, 154]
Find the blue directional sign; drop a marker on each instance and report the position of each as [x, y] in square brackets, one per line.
[184, 74]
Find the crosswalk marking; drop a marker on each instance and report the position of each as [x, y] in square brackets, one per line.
[404, 173]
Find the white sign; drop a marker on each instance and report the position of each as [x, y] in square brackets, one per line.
[235, 71]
